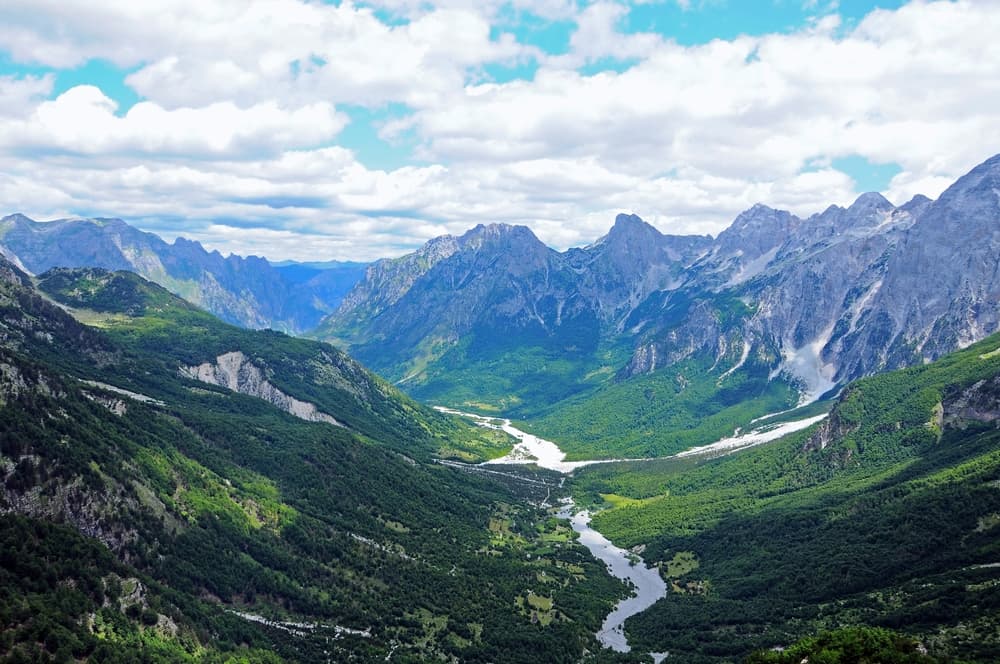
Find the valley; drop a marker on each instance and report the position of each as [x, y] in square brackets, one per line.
[500, 332]
[654, 445]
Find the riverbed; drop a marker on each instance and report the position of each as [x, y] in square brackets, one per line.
[647, 585]
[531, 449]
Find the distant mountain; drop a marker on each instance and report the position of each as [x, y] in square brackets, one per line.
[247, 291]
[496, 318]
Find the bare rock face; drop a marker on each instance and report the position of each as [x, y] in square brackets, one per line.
[941, 289]
[977, 403]
[847, 292]
[235, 372]
[389, 279]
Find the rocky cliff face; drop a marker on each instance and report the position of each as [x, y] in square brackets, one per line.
[941, 289]
[979, 402]
[848, 292]
[504, 288]
[822, 300]
[235, 372]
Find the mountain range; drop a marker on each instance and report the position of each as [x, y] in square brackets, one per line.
[489, 318]
[249, 291]
[663, 330]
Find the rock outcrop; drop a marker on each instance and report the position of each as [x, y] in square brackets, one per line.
[235, 372]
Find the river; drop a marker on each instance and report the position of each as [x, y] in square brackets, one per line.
[647, 584]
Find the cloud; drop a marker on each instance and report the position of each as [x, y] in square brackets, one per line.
[598, 36]
[241, 104]
[82, 120]
[19, 95]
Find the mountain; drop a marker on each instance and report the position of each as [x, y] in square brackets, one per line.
[498, 304]
[885, 515]
[176, 486]
[942, 285]
[644, 343]
[246, 291]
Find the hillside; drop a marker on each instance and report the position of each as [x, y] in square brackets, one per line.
[198, 522]
[884, 514]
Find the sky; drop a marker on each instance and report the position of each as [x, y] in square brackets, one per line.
[350, 130]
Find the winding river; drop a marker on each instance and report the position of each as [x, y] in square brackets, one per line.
[647, 585]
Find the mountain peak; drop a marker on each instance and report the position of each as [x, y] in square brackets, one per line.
[17, 218]
[916, 205]
[870, 201]
[919, 199]
[983, 179]
[631, 225]
[629, 220]
[484, 234]
[760, 218]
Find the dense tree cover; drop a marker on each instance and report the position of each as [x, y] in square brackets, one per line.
[855, 645]
[886, 514]
[221, 503]
[64, 597]
[688, 404]
[154, 329]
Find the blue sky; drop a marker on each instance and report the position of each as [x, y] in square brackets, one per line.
[353, 130]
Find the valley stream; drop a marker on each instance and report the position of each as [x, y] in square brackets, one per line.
[646, 583]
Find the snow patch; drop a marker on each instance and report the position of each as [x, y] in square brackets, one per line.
[753, 268]
[743, 358]
[861, 304]
[807, 366]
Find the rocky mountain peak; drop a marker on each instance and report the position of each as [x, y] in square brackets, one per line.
[500, 236]
[16, 219]
[631, 228]
[868, 203]
[756, 231]
[977, 191]
[916, 205]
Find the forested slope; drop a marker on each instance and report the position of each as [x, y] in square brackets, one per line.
[151, 512]
[885, 514]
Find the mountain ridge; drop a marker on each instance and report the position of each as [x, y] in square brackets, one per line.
[246, 290]
[814, 302]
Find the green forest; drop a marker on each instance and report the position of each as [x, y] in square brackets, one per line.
[348, 542]
[883, 515]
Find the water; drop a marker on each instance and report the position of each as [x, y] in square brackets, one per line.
[647, 584]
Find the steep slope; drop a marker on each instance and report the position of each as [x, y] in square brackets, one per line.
[246, 291]
[233, 523]
[661, 332]
[496, 316]
[293, 374]
[942, 286]
[884, 514]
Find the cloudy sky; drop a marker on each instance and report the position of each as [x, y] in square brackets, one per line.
[353, 130]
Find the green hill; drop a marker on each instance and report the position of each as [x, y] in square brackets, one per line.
[151, 512]
[885, 514]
